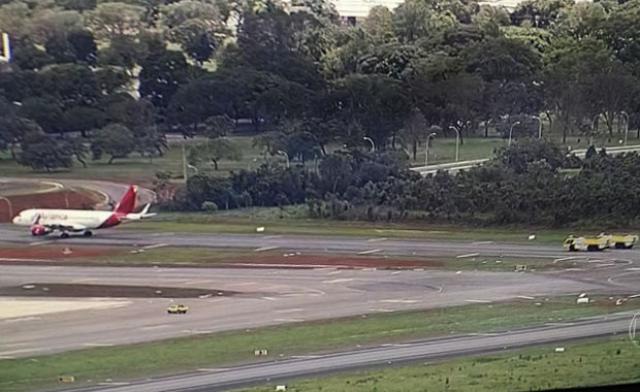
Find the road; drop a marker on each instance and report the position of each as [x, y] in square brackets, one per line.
[436, 349]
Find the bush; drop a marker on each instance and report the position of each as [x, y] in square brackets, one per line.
[209, 206]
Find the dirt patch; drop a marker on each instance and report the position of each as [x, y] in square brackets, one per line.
[336, 261]
[54, 252]
[107, 291]
[63, 199]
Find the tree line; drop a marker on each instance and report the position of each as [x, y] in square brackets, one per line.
[130, 71]
[532, 183]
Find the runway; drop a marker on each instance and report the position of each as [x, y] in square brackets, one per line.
[267, 297]
[225, 379]
[323, 244]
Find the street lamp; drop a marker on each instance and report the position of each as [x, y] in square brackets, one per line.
[511, 131]
[539, 126]
[626, 126]
[457, 141]
[280, 152]
[426, 153]
[373, 145]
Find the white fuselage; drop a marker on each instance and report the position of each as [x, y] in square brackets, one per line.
[81, 218]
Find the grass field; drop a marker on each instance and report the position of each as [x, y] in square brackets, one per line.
[293, 222]
[184, 354]
[600, 362]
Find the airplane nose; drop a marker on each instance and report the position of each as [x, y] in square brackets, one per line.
[16, 220]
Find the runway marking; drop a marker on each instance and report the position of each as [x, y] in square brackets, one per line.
[559, 324]
[272, 237]
[480, 301]
[266, 248]
[98, 344]
[283, 311]
[632, 269]
[289, 320]
[377, 239]
[368, 252]
[212, 370]
[152, 327]
[482, 243]
[525, 297]
[400, 301]
[9, 353]
[83, 280]
[306, 356]
[382, 310]
[22, 259]
[269, 298]
[396, 272]
[114, 384]
[567, 258]
[605, 265]
[468, 255]
[21, 319]
[334, 272]
[37, 243]
[334, 281]
[7, 357]
[155, 246]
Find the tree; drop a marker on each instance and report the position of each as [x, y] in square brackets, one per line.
[40, 151]
[115, 140]
[539, 13]
[70, 84]
[161, 75]
[84, 46]
[27, 56]
[214, 150]
[45, 111]
[83, 119]
[379, 24]
[77, 147]
[414, 131]
[116, 20]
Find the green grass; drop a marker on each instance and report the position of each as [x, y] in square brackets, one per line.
[184, 354]
[136, 168]
[244, 221]
[444, 150]
[601, 362]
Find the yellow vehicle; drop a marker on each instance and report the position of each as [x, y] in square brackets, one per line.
[621, 241]
[574, 244]
[177, 309]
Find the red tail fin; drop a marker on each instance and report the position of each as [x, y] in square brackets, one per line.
[128, 201]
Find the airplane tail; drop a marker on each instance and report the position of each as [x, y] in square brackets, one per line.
[128, 201]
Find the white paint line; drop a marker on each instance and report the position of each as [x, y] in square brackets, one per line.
[21, 319]
[114, 384]
[334, 281]
[395, 272]
[377, 239]
[632, 269]
[567, 258]
[269, 298]
[524, 297]
[306, 356]
[399, 301]
[559, 324]
[37, 243]
[634, 296]
[482, 243]
[6, 357]
[152, 327]
[9, 353]
[480, 301]
[468, 255]
[211, 370]
[284, 311]
[334, 272]
[272, 237]
[98, 344]
[368, 252]
[291, 320]
[605, 265]
[381, 310]
[155, 246]
[265, 248]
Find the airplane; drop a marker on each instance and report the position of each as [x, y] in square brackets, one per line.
[47, 221]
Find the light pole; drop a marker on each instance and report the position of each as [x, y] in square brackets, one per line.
[426, 152]
[626, 126]
[457, 141]
[280, 152]
[373, 145]
[511, 131]
[539, 126]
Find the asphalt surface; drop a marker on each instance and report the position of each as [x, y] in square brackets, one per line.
[223, 379]
[268, 297]
[352, 245]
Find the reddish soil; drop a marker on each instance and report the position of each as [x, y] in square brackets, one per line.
[62, 199]
[336, 261]
[55, 252]
[106, 291]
